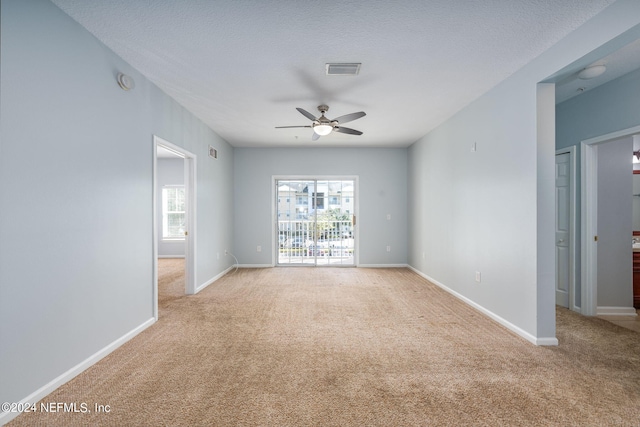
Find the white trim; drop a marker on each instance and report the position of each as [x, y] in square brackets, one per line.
[589, 216]
[572, 226]
[190, 162]
[170, 256]
[275, 237]
[548, 341]
[154, 230]
[613, 135]
[330, 265]
[616, 311]
[213, 279]
[356, 213]
[589, 228]
[383, 265]
[46, 389]
[190, 165]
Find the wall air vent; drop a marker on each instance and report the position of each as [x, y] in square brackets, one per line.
[350, 69]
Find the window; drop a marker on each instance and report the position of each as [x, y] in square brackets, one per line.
[173, 215]
[318, 200]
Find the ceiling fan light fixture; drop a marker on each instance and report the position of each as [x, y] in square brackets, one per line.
[322, 130]
[591, 72]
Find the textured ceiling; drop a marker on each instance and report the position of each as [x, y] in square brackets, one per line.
[243, 66]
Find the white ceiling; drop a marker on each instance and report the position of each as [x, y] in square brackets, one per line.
[243, 66]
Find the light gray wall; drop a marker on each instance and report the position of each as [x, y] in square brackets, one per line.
[170, 172]
[608, 108]
[492, 210]
[476, 211]
[615, 286]
[382, 190]
[76, 156]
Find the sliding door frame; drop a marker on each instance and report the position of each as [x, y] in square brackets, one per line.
[356, 209]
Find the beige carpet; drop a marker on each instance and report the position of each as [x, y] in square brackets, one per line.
[352, 347]
[171, 281]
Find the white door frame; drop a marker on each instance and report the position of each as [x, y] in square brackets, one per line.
[589, 217]
[572, 226]
[356, 209]
[190, 237]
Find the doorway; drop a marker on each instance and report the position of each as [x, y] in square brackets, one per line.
[592, 231]
[174, 213]
[315, 221]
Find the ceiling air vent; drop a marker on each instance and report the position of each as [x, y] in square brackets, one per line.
[351, 69]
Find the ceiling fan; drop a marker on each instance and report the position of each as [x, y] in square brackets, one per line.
[322, 126]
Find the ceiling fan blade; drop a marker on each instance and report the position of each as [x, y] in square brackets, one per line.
[350, 117]
[347, 130]
[286, 127]
[307, 114]
[315, 137]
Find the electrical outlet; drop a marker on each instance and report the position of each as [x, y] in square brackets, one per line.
[478, 276]
[474, 147]
[259, 248]
[388, 248]
[226, 252]
[389, 217]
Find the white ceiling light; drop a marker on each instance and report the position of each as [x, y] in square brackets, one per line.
[322, 130]
[591, 72]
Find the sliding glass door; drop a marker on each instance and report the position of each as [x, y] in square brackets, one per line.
[315, 221]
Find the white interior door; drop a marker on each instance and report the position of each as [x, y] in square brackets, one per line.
[563, 229]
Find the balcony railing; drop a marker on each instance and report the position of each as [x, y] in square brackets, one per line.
[319, 242]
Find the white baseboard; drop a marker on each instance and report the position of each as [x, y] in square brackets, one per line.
[552, 341]
[170, 256]
[43, 391]
[310, 265]
[549, 341]
[383, 265]
[210, 281]
[616, 311]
